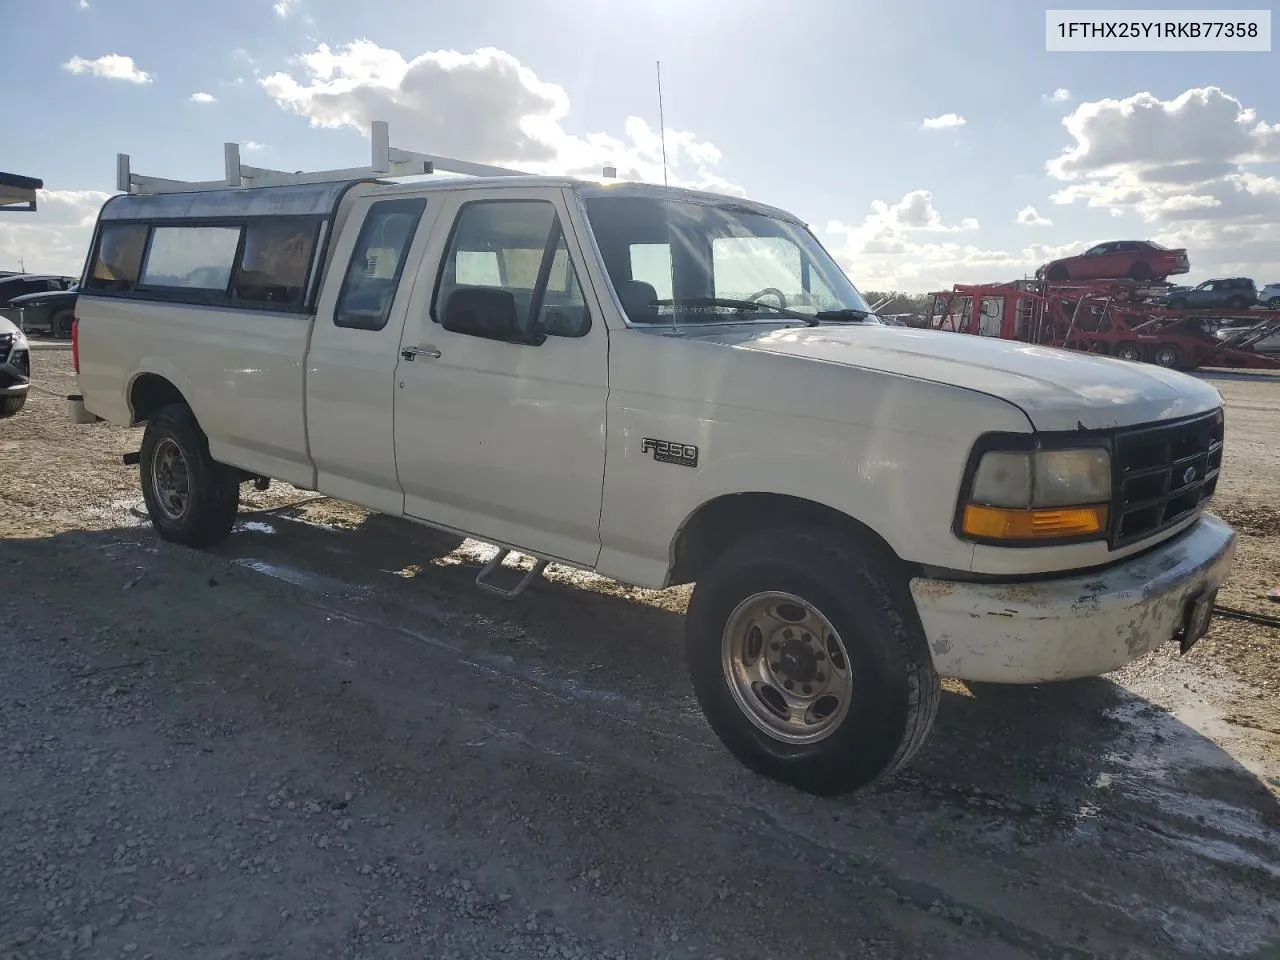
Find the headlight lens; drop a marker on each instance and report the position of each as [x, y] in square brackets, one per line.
[1039, 495]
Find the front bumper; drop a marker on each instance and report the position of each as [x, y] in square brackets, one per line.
[1078, 626]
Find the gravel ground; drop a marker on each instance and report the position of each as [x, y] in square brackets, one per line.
[320, 739]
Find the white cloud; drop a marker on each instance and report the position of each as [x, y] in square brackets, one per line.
[84, 4]
[433, 101]
[883, 252]
[253, 146]
[1028, 217]
[54, 239]
[202, 97]
[943, 122]
[1198, 169]
[112, 66]
[285, 7]
[1061, 95]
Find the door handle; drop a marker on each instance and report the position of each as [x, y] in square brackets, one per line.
[412, 353]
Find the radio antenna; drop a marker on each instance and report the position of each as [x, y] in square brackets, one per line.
[662, 127]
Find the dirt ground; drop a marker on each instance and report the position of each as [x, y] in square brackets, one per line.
[320, 739]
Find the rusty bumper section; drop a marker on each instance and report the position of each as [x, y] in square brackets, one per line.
[1078, 626]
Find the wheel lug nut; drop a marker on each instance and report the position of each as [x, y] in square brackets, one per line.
[806, 689]
[821, 677]
[775, 645]
[806, 637]
[788, 684]
[820, 655]
[787, 633]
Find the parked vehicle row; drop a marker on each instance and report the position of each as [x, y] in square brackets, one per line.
[39, 303]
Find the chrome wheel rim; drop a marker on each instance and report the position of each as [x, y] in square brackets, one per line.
[787, 667]
[170, 479]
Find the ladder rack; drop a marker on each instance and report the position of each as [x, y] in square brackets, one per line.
[386, 161]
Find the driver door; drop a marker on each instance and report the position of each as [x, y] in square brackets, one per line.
[503, 440]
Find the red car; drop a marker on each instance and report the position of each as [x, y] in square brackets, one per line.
[1118, 259]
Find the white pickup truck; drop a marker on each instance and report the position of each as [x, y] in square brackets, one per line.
[665, 387]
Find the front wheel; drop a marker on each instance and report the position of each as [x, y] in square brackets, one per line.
[191, 498]
[10, 406]
[809, 661]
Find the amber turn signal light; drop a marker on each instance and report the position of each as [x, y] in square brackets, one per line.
[1000, 523]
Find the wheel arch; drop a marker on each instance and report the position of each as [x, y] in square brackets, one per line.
[723, 520]
[148, 392]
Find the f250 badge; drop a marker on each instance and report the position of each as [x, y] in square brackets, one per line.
[668, 451]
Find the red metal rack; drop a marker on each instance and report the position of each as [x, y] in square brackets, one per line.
[1119, 318]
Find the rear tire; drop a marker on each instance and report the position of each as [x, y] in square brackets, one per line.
[60, 325]
[1140, 272]
[1057, 274]
[9, 406]
[1131, 352]
[857, 703]
[191, 498]
[1166, 355]
[1177, 303]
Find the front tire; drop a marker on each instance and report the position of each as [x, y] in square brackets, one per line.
[11, 406]
[809, 661]
[191, 498]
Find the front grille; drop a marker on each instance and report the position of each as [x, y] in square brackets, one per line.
[1162, 475]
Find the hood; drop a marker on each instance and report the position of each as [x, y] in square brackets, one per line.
[1056, 389]
[9, 327]
[42, 296]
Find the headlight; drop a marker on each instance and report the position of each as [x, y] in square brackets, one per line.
[1038, 495]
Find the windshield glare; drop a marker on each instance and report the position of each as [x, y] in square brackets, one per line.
[684, 250]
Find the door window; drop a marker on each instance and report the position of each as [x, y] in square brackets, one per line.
[517, 246]
[377, 263]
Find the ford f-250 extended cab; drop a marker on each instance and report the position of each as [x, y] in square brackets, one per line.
[666, 386]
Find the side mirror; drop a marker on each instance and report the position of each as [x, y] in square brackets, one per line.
[488, 312]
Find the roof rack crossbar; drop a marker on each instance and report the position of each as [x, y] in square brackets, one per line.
[386, 161]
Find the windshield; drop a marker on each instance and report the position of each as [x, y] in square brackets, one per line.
[686, 251]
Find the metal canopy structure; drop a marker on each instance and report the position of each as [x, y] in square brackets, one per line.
[386, 162]
[18, 194]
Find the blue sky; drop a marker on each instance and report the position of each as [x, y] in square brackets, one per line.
[815, 106]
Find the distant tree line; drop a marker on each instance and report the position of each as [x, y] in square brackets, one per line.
[900, 302]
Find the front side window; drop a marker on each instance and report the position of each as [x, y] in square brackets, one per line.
[191, 258]
[667, 258]
[377, 263]
[517, 246]
[118, 260]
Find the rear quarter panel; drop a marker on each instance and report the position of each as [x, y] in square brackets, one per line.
[242, 372]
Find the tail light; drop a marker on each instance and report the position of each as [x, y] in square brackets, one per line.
[75, 343]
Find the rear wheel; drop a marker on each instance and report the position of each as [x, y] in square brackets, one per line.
[809, 660]
[191, 498]
[1238, 303]
[1166, 355]
[1128, 351]
[60, 325]
[1056, 273]
[1140, 272]
[1178, 303]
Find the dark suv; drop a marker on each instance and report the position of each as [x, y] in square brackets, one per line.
[1234, 293]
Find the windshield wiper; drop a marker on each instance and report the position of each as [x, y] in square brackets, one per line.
[744, 306]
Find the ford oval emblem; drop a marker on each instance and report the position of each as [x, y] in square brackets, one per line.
[1188, 475]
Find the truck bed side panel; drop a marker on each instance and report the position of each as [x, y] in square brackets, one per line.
[242, 372]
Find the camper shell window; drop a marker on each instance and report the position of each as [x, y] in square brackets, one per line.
[243, 248]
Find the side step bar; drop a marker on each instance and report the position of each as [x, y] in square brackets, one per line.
[485, 579]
